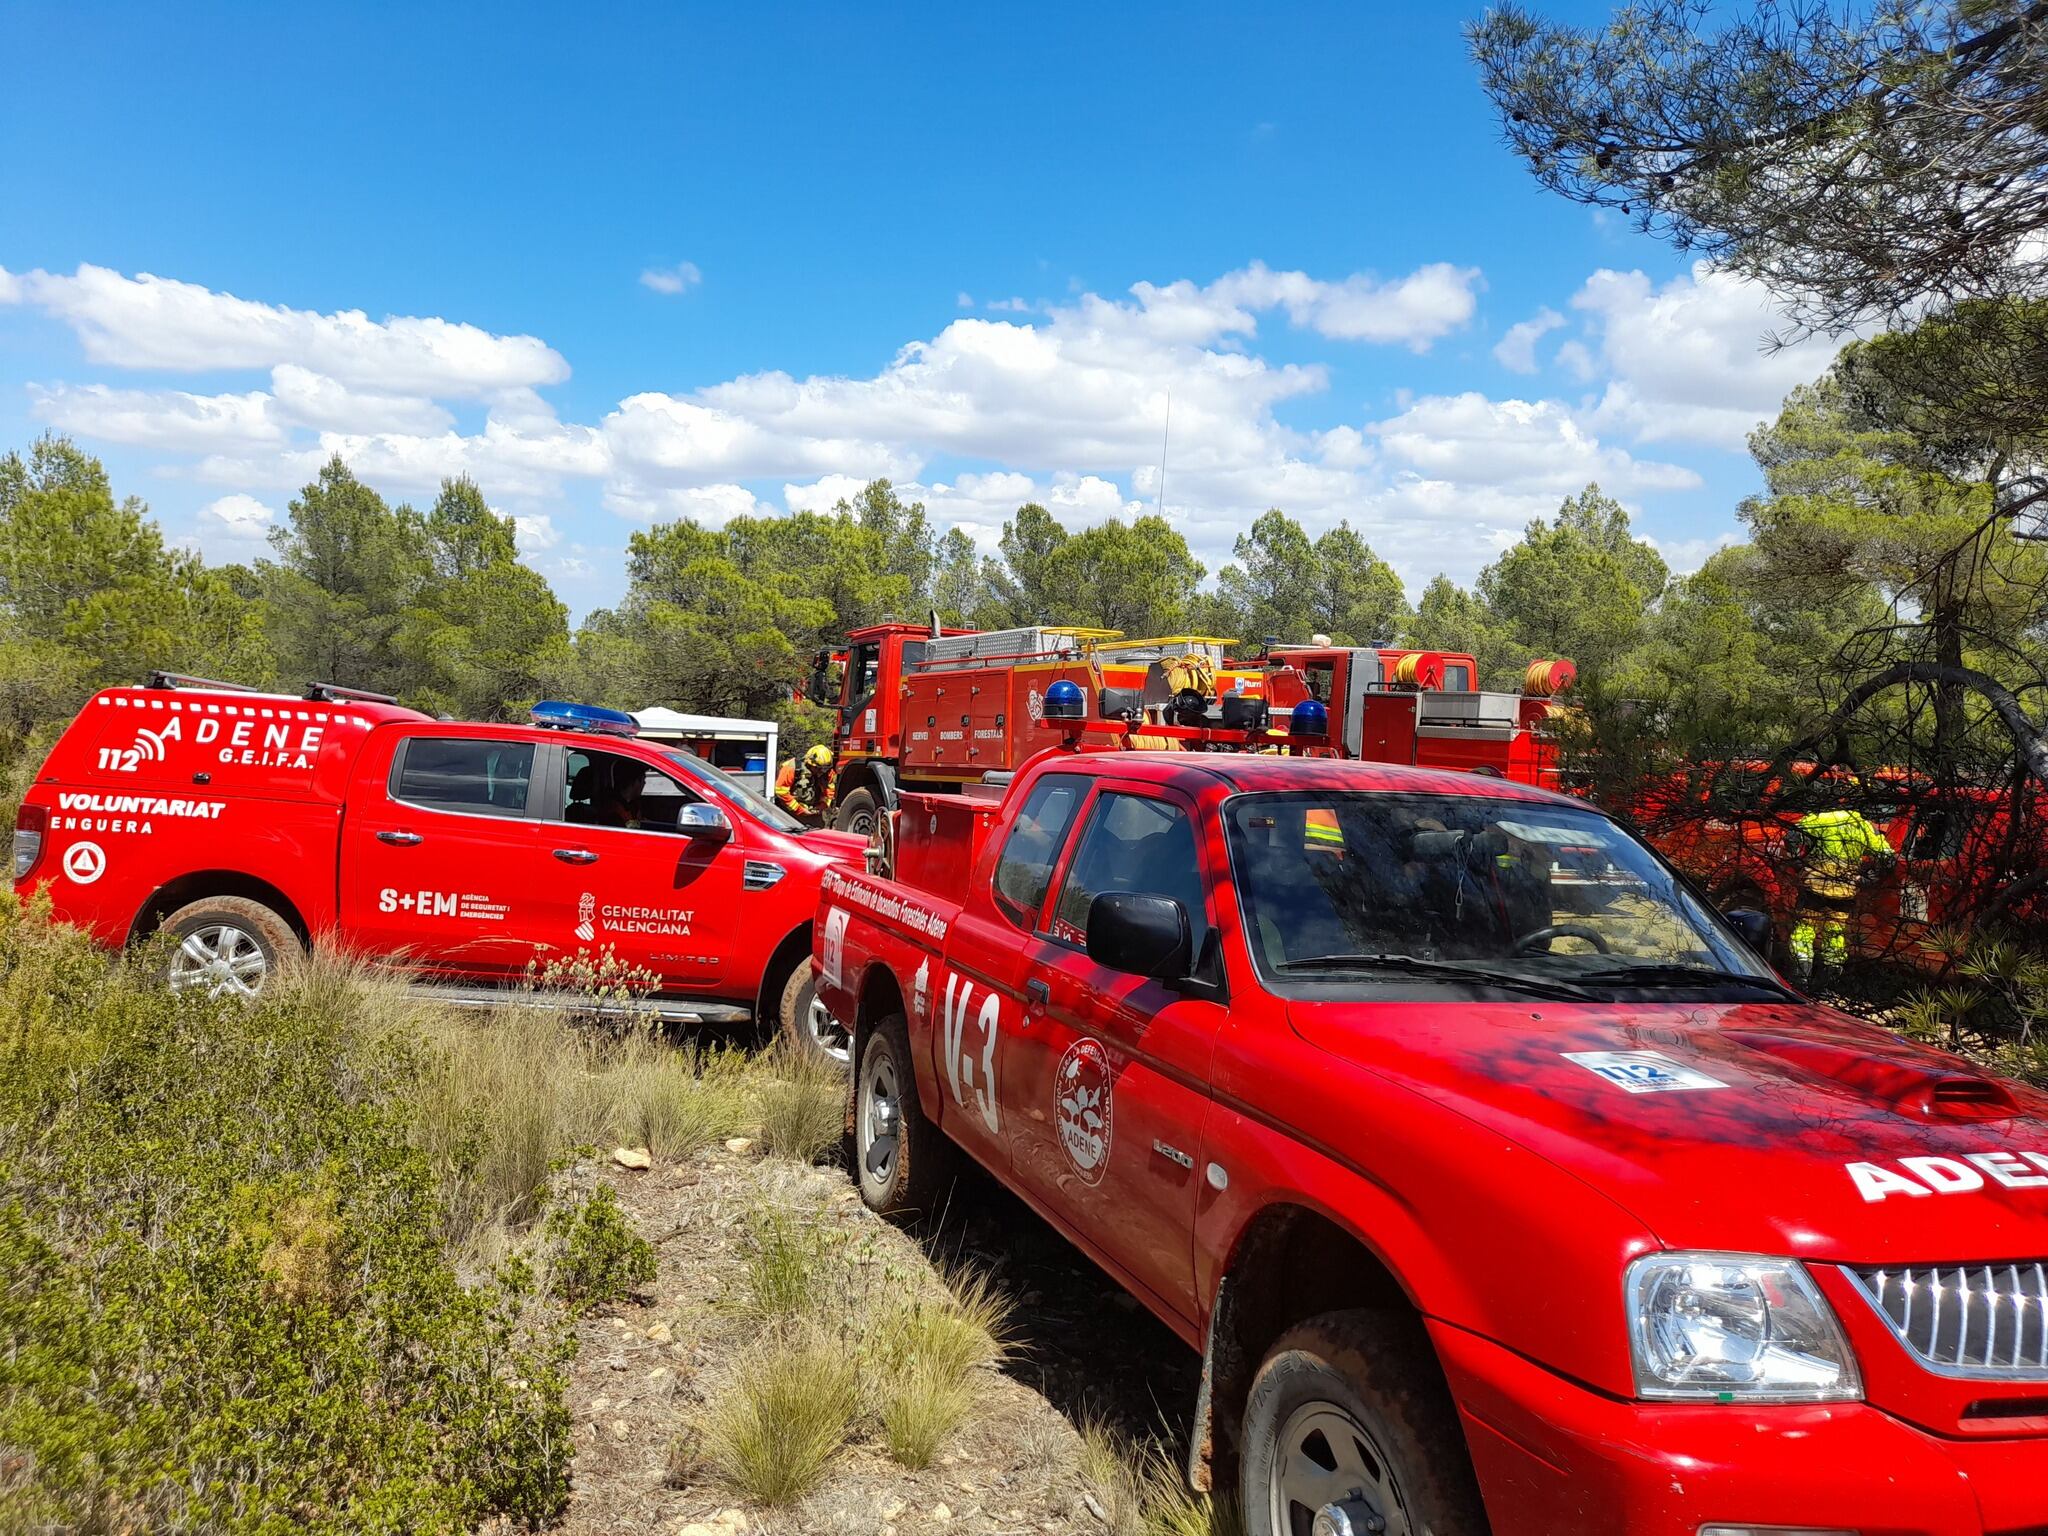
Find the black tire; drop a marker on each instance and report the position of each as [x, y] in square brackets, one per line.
[804, 1024]
[903, 1163]
[228, 946]
[857, 812]
[1351, 1408]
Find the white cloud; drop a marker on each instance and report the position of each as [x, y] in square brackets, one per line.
[1685, 556]
[1515, 445]
[154, 322]
[1065, 405]
[676, 279]
[164, 418]
[1689, 360]
[1572, 355]
[309, 399]
[1516, 350]
[235, 527]
[533, 532]
[711, 505]
[1428, 303]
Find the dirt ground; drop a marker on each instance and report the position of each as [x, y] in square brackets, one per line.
[648, 1368]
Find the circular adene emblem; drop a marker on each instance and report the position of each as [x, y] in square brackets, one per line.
[1034, 704]
[1082, 1108]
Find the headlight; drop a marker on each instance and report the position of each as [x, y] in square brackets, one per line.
[1716, 1327]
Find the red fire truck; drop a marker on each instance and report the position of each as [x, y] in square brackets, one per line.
[250, 825]
[932, 709]
[1487, 1213]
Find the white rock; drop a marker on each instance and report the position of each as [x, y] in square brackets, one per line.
[632, 1157]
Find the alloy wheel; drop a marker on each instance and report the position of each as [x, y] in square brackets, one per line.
[1330, 1478]
[881, 1119]
[220, 960]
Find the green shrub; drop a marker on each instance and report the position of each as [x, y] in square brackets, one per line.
[599, 1257]
[223, 1285]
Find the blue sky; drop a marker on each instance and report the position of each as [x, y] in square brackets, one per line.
[624, 264]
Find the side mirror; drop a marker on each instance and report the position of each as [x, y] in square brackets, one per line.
[701, 820]
[1753, 926]
[1140, 935]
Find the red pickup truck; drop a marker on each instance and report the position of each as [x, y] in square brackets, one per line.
[1500, 1184]
[250, 826]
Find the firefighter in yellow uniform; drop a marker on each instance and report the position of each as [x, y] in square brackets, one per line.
[1843, 848]
[803, 789]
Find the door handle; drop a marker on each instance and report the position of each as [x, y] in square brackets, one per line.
[400, 839]
[575, 855]
[1039, 993]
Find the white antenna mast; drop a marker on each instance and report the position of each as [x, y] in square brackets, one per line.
[1159, 502]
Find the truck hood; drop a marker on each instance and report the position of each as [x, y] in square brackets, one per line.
[1757, 1128]
[839, 847]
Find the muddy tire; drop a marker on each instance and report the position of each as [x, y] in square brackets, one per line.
[903, 1163]
[1350, 1410]
[803, 1022]
[228, 946]
[857, 813]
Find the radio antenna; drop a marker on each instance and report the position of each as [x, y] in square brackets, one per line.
[1159, 502]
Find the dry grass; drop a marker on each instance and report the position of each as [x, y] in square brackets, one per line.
[1142, 1492]
[770, 1436]
[802, 1105]
[791, 1268]
[920, 1355]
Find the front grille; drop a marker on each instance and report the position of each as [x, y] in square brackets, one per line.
[1984, 1320]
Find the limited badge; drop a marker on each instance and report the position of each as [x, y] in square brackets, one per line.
[1082, 1108]
[1642, 1071]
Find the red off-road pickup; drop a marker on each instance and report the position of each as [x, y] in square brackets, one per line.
[1501, 1185]
[249, 826]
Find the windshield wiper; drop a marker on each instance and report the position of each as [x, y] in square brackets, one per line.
[1679, 975]
[1450, 970]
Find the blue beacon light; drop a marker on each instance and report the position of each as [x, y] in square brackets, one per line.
[1309, 720]
[595, 718]
[1065, 701]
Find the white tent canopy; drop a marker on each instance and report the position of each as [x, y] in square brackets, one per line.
[669, 722]
[702, 731]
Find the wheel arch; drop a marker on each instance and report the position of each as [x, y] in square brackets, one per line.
[793, 948]
[880, 995]
[1289, 1262]
[869, 774]
[201, 884]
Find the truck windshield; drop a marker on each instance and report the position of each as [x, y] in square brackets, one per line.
[751, 800]
[1363, 889]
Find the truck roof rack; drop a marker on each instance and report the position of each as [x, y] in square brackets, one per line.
[162, 679]
[334, 693]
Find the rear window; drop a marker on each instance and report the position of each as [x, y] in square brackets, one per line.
[485, 778]
[1025, 870]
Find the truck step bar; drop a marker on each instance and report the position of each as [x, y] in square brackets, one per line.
[668, 1010]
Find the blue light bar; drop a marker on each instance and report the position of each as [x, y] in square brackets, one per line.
[594, 718]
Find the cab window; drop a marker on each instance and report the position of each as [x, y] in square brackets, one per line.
[1024, 872]
[1457, 677]
[609, 789]
[1133, 844]
[480, 777]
